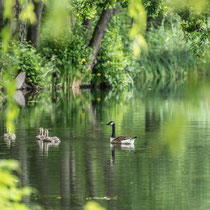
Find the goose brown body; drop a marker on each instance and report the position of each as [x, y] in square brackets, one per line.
[119, 139]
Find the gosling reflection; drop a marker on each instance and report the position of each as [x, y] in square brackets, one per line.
[44, 146]
[9, 142]
[125, 147]
[47, 145]
[41, 146]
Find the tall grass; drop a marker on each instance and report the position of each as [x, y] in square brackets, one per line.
[168, 54]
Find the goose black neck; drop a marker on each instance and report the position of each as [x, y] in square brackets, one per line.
[113, 131]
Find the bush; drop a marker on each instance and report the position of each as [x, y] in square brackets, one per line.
[24, 57]
[70, 54]
[196, 29]
[113, 61]
[199, 43]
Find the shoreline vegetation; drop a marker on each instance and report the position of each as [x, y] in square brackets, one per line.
[76, 54]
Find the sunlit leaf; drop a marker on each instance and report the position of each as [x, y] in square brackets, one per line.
[137, 12]
[198, 5]
[28, 14]
[92, 205]
[57, 22]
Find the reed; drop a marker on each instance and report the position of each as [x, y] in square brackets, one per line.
[168, 54]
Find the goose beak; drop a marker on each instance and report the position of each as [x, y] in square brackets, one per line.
[108, 124]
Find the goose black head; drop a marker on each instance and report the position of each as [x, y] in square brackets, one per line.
[110, 123]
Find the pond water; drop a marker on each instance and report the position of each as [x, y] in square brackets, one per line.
[168, 168]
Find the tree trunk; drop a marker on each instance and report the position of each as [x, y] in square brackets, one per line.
[13, 23]
[88, 24]
[98, 34]
[18, 27]
[1, 14]
[34, 30]
[22, 31]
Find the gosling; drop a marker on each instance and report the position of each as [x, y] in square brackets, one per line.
[9, 135]
[41, 135]
[50, 139]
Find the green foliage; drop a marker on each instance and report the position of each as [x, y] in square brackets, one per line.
[112, 63]
[190, 21]
[169, 54]
[116, 66]
[9, 62]
[199, 43]
[195, 26]
[11, 195]
[89, 8]
[157, 12]
[70, 56]
[197, 6]
[23, 57]
[153, 7]
[85, 9]
[65, 52]
[194, 21]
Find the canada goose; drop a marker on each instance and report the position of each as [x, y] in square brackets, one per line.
[50, 139]
[9, 135]
[120, 139]
[41, 135]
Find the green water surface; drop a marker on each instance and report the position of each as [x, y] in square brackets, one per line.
[168, 168]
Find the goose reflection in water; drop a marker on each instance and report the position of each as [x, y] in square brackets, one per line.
[124, 147]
